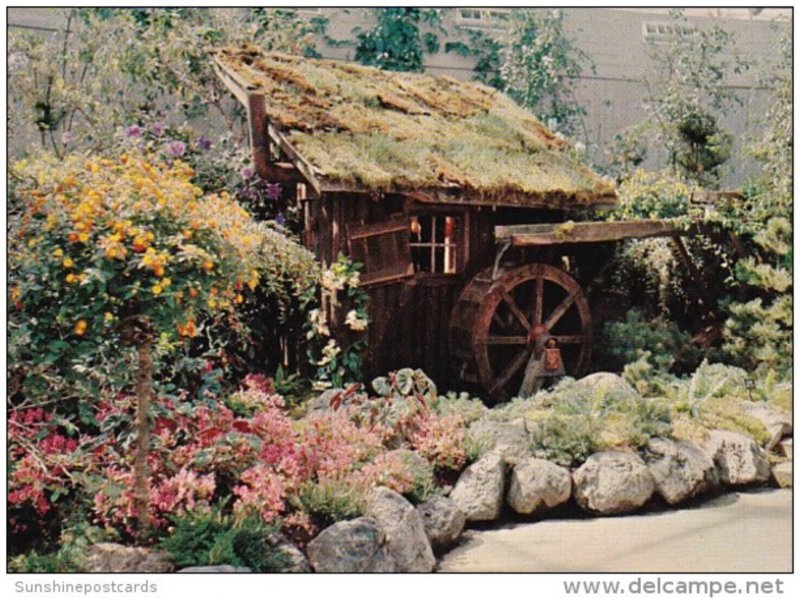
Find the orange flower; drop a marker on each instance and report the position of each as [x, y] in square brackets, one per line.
[72, 237]
[80, 327]
[68, 263]
[208, 265]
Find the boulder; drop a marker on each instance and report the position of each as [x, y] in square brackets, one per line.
[295, 560]
[509, 439]
[681, 470]
[739, 460]
[443, 521]
[602, 384]
[612, 482]
[537, 484]
[215, 569]
[355, 546]
[782, 473]
[406, 540]
[479, 490]
[785, 447]
[778, 424]
[108, 557]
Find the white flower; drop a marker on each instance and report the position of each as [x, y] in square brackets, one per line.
[331, 281]
[319, 323]
[580, 147]
[354, 322]
[329, 351]
[354, 280]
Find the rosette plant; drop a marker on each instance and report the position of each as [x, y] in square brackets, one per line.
[107, 254]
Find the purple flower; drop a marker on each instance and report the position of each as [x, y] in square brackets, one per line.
[246, 193]
[204, 143]
[280, 219]
[247, 172]
[158, 128]
[273, 191]
[176, 148]
[133, 131]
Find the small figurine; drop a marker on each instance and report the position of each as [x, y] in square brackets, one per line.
[545, 365]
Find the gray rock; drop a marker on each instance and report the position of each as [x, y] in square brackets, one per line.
[108, 557]
[612, 482]
[778, 424]
[479, 490]
[738, 458]
[355, 546]
[785, 447]
[443, 521]
[215, 569]
[295, 560]
[782, 472]
[602, 384]
[322, 403]
[405, 534]
[537, 484]
[509, 439]
[681, 470]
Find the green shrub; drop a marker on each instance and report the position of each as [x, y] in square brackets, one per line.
[64, 560]
[669, 346]
[470, 409]
[211, 538]
[574, 419]
[331, 500]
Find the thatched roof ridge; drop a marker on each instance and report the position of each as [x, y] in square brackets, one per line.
[361, 128]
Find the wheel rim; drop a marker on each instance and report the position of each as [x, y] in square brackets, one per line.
[516, 303]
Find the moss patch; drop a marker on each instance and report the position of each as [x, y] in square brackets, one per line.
[364, 128]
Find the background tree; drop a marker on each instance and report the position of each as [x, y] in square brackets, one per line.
[687, 93]
[396, 42]
[540, 66]
[110, 67]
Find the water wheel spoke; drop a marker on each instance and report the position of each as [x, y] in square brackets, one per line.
[512, 305]
[561, 309]
[538, 302]
[571, 339]
[503, 340]
[508, 372]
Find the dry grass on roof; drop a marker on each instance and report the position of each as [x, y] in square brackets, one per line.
[361, 127]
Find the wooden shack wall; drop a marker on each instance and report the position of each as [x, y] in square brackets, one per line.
[409, 319]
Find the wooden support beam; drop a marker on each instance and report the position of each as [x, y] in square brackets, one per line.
[588, 232]
[292, 154]
[257, 130]
[694, 274]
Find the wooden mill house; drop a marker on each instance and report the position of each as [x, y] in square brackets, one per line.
[457, 202]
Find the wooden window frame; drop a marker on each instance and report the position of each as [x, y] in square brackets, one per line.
[460, 244]
[396, 253]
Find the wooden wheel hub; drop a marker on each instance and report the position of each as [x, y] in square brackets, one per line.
[495, 324]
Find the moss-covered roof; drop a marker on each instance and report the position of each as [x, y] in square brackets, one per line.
[367, 129]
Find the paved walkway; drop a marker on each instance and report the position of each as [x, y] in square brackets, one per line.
[739, 532]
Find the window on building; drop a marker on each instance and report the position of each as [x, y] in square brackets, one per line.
[482, 17]
[434, 243]
[662, 32]
[382, 248]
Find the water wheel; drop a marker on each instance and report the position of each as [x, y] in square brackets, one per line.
[493, 322]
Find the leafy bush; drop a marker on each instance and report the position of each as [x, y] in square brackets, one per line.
[574, 419]
[210, 538]
[330, 500]
[669, 346]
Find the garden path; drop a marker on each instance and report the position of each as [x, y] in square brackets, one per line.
[746, 531]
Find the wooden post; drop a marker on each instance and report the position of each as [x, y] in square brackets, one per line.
[257, 131]
[141, 484]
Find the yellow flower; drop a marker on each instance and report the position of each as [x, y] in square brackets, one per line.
[71, 278]
[108, 316]
[58, 252]
[239, 298]
[68, 263]
[165, 282]
[83, 237]
[212, 303]
[157, 289]
[80, 327]
[208, 265]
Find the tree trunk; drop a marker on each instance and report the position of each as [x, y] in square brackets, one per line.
[141, 487]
